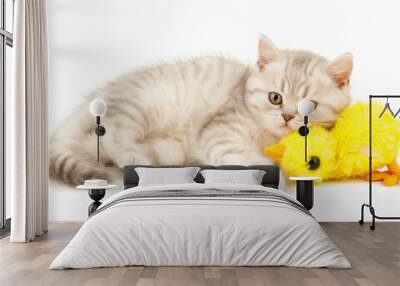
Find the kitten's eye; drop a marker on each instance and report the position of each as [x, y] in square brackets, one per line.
[275, 98]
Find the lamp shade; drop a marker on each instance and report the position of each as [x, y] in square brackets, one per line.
[305, 107]
[98, 107]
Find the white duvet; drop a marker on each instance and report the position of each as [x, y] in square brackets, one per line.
[200, 231]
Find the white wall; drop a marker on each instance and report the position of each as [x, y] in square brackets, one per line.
[93, 41]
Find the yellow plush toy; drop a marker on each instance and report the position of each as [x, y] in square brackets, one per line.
[342, 152]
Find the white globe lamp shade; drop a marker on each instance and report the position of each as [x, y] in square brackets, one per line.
[305, 107]
[98, 107]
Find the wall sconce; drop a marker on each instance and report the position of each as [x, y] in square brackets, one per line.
[98, 108]
[305, 107]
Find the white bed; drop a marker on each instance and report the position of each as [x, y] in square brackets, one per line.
[225, 225]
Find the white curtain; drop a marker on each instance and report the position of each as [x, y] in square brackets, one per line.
[26, 123]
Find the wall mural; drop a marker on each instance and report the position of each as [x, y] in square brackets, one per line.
[214, 110]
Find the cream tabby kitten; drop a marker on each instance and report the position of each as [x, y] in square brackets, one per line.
[208, 110]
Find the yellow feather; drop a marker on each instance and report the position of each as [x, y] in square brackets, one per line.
[352, 134]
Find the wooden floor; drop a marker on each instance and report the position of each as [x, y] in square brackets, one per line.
[375, 257]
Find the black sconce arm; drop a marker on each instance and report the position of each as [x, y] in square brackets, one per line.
[100, 131]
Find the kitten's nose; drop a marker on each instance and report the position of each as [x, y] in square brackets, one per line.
[287, 116]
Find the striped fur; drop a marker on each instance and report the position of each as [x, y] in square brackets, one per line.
[209, 110]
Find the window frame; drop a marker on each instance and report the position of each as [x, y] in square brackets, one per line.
[6, 39]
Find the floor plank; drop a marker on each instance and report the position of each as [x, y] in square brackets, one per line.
[375, 257]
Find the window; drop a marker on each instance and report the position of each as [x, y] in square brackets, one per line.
[6, 44]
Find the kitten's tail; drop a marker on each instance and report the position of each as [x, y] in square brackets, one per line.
[72, 151]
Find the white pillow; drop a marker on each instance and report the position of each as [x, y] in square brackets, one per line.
[247, 177]
[164, 176]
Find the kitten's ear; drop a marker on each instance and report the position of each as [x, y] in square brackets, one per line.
[340, 69]
[267, 51]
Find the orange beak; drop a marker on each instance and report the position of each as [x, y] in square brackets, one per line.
[275, 152]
